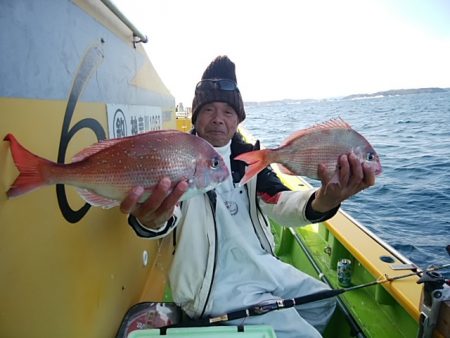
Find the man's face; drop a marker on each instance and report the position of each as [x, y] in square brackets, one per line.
[217, 122]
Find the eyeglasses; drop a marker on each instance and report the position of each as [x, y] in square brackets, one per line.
[221, 84]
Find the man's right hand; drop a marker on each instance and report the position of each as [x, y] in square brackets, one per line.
[158, 207]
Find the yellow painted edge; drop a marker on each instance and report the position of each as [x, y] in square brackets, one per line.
[367, 251]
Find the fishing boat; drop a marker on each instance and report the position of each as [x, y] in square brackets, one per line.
[75, 72]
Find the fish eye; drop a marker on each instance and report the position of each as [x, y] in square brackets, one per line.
[214, 163]
[370, 156]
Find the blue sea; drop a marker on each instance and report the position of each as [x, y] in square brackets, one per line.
[409, 206]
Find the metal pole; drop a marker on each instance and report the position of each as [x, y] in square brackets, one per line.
[143, 38]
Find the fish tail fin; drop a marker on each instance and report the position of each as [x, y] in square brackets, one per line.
[257, 161]
[30, 169]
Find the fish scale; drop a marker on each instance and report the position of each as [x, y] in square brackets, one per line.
[105, 172]
[303, 154]
[303, 151]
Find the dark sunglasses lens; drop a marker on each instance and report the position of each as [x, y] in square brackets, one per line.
[226, 85]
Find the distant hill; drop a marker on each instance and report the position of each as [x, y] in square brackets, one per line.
[393, 92]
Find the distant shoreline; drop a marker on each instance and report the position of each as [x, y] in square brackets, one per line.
[391, 92]
[395, 92]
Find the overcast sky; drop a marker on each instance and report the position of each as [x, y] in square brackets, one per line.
[296, 48]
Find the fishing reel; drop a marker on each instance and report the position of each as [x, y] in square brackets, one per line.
[435, 303]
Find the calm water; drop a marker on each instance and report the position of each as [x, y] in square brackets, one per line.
[409, 207]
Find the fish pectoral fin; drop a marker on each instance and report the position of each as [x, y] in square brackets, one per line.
[285, 170]
[334, 181]
[97, 200]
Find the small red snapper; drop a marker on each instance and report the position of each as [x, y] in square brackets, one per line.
[106, 171]
[302, 152]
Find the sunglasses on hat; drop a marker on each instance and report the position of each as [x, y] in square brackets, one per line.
[220, 84]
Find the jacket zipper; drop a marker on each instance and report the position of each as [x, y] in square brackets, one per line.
[212, 202]
[265, 222]
[257, 220]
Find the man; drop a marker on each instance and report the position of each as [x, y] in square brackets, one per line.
[224, 257]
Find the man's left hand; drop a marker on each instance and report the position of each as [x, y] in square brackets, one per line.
[353, 176]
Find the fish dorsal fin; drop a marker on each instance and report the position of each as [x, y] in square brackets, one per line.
[103, 144]
[337, 123]
[95, 148]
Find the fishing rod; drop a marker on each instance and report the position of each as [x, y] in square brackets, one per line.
[261, 309]
[264, 308]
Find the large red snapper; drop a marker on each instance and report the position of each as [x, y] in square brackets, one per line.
[302, 152]
[106, 171]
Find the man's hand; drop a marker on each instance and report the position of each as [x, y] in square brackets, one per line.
[352, 177]
[158, 207]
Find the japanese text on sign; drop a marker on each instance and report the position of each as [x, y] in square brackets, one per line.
[128, 120]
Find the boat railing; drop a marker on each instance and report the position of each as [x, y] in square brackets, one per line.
[136, 33]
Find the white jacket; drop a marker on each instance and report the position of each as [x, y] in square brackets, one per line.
[193, 268]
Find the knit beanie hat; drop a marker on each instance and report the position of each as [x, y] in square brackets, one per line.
[221, 68]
